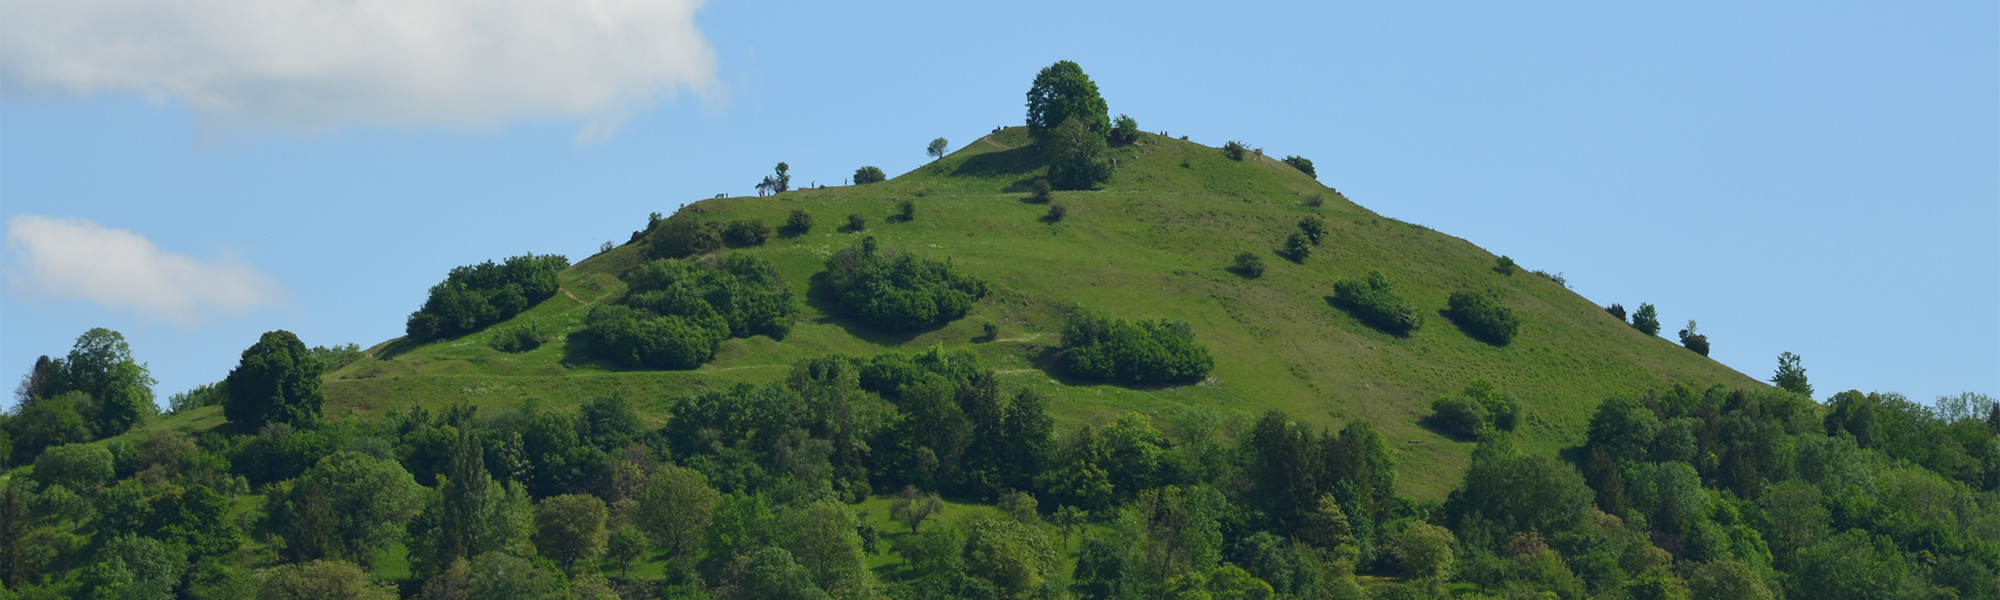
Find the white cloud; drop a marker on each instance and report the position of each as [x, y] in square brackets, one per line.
[79, 259]
[321, 63]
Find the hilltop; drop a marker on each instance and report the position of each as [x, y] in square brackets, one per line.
[1156, 242]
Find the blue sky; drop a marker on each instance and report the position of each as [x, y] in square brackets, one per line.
[1820, 178]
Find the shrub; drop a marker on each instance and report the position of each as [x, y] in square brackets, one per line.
[474, 296]
[1483, 318]
[1303, 164]
[1040, 192]
[1375, 302]
[799, 223]
[897, 291]
[1235, 150]
[75, 466]
[856, 223]
[1314, 228]
[1077, 157]
[1616, 310]
[1694, 341]
[1503, 266]
[681, 237]
[1297, 248]
[1316, 200]
[1057, 212]
[870, 174]
[989, 332]
[1479, 408]
[906, 211]
[1646, 319]
[1124, 130]
[739, 234]
[677, 312]
[1248, 264]
[1104, 348]
[607, 246]
[519, 338]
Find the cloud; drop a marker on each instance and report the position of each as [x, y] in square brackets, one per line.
[79, 259]
[321, 63]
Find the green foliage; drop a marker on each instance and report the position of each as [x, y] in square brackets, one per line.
[276, 381]
[912, 508]
[856, 224]
[1056, 213]
[1375, 302]
[75, 466]
[743, 234]
[1616, 310]
[906, 211]
[1790, 376]
[1646, 319]
[897, 291]
[675, 509]
[778, 181]
[130, 566]
[570, 529]
[1483, 317]
[1423, 550]
[799, 223]
[1314, 228]
[1694, 341]
[1099, 347]
[1124, 130]
[1235, 150]
[1062, 93]
[1248, 264]
[1297, 247]
[682, 236]
[52, 421]
[1727, 580]
[349, 506]
[1303, 164]
[1520, 492]
[1077, 156]
[474, 296]
[503, 576]
[113, 391]
[332, 359]
[518, 338]
[937, 148]
[1479, 409]
[773, 574]
[322, 580]
[870, 174]
[1505, 266]
[1039, 191]
[677, 313]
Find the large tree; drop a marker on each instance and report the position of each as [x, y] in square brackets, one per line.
[366, 503]
[101, 366]
[1077, 156]
[1062, 92]
[570, 529]
[276, 382]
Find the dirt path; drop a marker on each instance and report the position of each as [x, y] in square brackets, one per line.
[572, 296]
[988, 138]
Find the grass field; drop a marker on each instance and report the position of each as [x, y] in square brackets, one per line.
[1154, 243]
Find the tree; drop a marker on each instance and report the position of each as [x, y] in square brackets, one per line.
[1297, 247]
[906, 211]
[1062, 92]
[913, 507]
[779, 181]
[937, 148]
[799, 223]
[682, 236]
[1124, 130]
[869, 174]
[772, 574]
[824, 538]
[626, 544]
[570, 529]
[1694, 341]
[1424, 550]
[75, 466]
[856, 223]
[1077, 156]
[1056, 213]
[1068, 519]
[321, 580]
[1303, 164]
[366, 502]
[1646, 319]
[1248, 264]
[277, 381]
[101, 366]
[503, 576]
[1727, 580]
[675, 509]
[130, 566]
[1790, 376]
[1314, 228]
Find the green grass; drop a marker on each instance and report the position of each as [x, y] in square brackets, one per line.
[1155, 243]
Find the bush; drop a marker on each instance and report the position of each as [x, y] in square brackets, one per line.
[1503, 266]
[1483, 318]
[1248, 264]
[856, 223]
[1104, 348]
[1235, 150]
[1477, 409]
[1316, 201]
[871, 174]
[1056, 213]
[474, 296]
[1314, 228]
[681, 237]
[1297, 248]
[676, 313]
[896, 291]
[906, 211]
[799, 223]
[519, 338]
[1303, 164]
[1647, 319]
[1077, 157]
[739, 234]
[1616, 310]
[989, 332]
[75, 466]
[1694, 341]
[1124, 130]
[1040, 192]
[1375, 302]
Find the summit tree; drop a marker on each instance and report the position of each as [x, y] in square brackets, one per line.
[277, 381]
[1061, 93]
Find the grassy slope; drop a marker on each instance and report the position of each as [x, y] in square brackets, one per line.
[1153, 244]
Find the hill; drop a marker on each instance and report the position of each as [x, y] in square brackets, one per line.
[1156, 242]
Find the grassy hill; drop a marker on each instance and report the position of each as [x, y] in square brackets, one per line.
[1154, 243]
